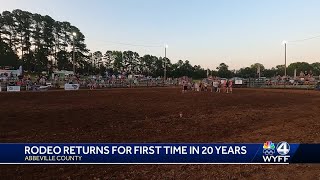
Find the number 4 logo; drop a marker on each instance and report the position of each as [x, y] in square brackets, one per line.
[283, 148]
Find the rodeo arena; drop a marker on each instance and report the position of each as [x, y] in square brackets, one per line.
[125, 108]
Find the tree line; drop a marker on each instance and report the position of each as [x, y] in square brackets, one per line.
[40, 43]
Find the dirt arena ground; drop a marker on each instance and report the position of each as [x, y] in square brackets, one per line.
[152, 115]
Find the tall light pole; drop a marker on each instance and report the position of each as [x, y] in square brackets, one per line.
[74, 34]
[165, 62]
[285, 57]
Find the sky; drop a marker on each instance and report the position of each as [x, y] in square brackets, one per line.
[205, 32]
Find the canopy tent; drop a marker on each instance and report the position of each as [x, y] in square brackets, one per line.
[16, 72]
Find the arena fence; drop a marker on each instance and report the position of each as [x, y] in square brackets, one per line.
[134, 83]
[97, 84]
[262, 83]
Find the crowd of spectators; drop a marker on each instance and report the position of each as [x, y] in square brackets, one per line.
[304, 78]
[92, 82]
[25, 81]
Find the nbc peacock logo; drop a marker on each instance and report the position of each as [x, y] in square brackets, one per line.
[268, 148]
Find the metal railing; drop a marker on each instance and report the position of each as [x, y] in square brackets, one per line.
[262, 83]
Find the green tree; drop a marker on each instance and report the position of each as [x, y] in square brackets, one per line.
[255, 66]
[118, 63]
[199, 72]
[247, 72]
[316, 68]
[300, 66]
[9, 30]
[63, 60]
[108, 60]
[280, 70]
[223, 71]
[97, 60]
[131, 61]
[7, 56]
[270, 72]
[147, 64]
[159, 68]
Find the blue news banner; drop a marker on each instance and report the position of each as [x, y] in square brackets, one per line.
[82, 153]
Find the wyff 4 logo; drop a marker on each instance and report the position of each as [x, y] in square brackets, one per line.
[273, 154]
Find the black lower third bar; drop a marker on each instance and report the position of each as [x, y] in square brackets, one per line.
[307, 153]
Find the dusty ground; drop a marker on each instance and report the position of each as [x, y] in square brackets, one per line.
[152, 115]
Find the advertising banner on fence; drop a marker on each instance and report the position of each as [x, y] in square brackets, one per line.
[71, 87]
[238, 81]
[264, 153]
[13, 88]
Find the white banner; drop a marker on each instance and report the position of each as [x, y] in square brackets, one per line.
[71, 87]
[238, 81]
[13, 88]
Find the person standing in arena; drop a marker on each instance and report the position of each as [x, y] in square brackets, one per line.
[224, 86]
[212, 86]
[215, 85]
[92, 84]
[184, 88]
[219, 87]
[227, 86]
[230, 86]
[196, 87]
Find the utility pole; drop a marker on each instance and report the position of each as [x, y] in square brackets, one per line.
[165, 62]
